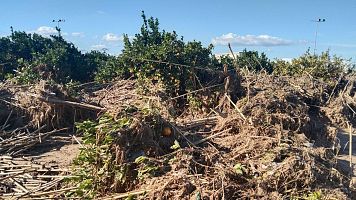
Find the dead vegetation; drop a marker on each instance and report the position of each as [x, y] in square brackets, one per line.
[31, 115]
[23, 178]
[278, 141]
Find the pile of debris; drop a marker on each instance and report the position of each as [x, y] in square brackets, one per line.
[16, 141]
[276, 142]
[266, 147]
[22, 178]
[341, 107]
[30, 115]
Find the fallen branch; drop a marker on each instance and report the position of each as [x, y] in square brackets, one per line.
[236, 108]
[195, 91]
[181, 133]
[69, 103]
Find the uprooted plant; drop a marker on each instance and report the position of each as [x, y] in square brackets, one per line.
[116, 150]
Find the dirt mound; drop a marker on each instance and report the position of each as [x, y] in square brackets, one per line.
[266, 150]
[275, 143]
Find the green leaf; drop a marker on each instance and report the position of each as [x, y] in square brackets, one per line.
[176, 145]
[141, 159]
[239, 168]
[198, 196]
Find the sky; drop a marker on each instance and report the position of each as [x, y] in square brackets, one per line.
[280, 28]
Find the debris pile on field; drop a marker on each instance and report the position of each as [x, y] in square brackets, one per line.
[276, 142]
[30, 115]
[41, 104]
[342, 107]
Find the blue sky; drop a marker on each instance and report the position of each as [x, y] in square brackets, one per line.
[280, 28]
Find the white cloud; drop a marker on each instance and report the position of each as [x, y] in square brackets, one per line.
[287, 59]
[46, 31]
[111, 37]
[250, 40]
[98, 47]
[78, 34]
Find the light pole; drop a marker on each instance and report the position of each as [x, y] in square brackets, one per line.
[316, 31]
[57, 27]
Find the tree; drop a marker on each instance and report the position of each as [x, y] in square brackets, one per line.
[323, 66]
[110, 68]
[254, 61]
[23, 54]
[148, 53]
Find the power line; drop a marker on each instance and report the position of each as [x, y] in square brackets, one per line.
[176, 64]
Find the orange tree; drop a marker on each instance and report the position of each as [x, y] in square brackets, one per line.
[323, 66]
[31, 57]
[164, 56]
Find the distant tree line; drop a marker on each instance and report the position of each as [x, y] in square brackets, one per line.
[24, 54]
[151, 54]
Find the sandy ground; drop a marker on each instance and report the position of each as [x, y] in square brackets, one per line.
[59, 150]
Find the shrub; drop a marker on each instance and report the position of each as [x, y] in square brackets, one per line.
[321, 66]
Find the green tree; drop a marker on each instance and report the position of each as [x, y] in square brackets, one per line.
[151, 44]
[23, 54]
[254, 61]
[110, 68]
[323, 66]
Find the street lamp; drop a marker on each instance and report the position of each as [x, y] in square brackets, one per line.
[57, 27]
[316, 31]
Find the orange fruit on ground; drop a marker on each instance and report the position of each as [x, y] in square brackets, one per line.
[167, 131]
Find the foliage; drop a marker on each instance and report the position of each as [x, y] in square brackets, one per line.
[96, 160]
[72, 88]
[150, 54]
[194, 102]
[239, 168]
[66, 62]
[54, 56]
[101, 165]
[20, 47]
[150, 45]
[176, 145]
[146, 167]
[254, 61]
[316, 195]
[25, 74]
[321, 66]
[112, 68]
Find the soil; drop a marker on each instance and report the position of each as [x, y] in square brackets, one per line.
[59, 150]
